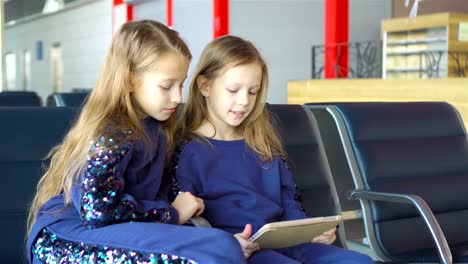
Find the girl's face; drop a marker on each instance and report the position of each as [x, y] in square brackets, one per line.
[159, 90]
[231, 97]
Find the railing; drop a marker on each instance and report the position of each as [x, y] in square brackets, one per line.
[364, 60]
[427, 64]
[461, 61]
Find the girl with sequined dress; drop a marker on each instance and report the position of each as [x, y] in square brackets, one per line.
[103, 198]
[231, 157]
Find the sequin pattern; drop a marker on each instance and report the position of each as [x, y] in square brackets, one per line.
[101, 189]
[175, 187]
[49, 248]
[297, 193]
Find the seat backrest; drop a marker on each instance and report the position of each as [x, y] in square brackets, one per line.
[74, 99]
[19, 98]
[300, 136]
[340, 170]
[418, 148]
[335, 153]
[26, 137]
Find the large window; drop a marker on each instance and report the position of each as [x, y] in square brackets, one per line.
[26, 70]
[10, 61]
[56, 67]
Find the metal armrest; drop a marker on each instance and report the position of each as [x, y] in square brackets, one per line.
[423, 209]
[199, 221]
[351, 215]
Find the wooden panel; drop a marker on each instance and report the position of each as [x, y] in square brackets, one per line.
[453, 90]
[419, 22]
[454, 44]
[422, 22]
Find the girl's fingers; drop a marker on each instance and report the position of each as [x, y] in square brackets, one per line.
[324, 239]
[330, 232]
[200, 205]
[250, 246]
[200, 209]
[321, 241]
[247, 253]
[319, 238]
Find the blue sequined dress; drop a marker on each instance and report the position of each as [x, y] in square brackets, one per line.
[120, 213]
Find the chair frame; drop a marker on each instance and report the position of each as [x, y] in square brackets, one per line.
[365, 196]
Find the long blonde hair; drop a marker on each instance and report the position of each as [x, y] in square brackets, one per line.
[218, 56]
[135, 48]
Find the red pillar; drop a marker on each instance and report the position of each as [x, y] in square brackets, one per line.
[169, 13]
[220, 18]
[121, 13]
[336, 31]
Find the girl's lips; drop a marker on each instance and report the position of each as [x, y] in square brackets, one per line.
[170, 110]
[238, 114]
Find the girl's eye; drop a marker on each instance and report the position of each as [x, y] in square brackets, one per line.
[232, 91]
[164, 87]
[253, 92]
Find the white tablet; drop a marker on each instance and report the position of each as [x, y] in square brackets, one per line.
[290, 233]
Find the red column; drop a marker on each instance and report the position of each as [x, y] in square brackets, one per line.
[169, 13]
[336, 31]
[121, 13]
[220, 18]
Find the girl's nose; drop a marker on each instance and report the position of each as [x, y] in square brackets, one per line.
[176, 96]
[243, 98]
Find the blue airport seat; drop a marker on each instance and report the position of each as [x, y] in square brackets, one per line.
[27, 135]
[74, 99]
[301, 138]
[355, 231]
[19, 98]
[409, 163]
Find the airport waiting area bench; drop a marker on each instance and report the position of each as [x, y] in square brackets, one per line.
[407, 165]
[29, 133]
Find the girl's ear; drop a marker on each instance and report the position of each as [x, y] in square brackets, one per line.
[202, 83]
[133, 83]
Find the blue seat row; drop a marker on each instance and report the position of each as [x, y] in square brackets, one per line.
[30, 133]
[19, 98]
[30, 98]
[407, 163]
[27, 135]
[74, 99]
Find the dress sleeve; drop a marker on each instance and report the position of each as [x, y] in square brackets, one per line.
[103, 200]
[290, 196]
[185, 172]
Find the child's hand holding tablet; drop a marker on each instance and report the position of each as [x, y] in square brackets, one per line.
[290, 233]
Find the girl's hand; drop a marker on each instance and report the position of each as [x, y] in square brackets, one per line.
[188, 205]
[327, 237]
[247, 247]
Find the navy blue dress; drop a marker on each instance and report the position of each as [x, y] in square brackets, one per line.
[238, 188]
[120, 213]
